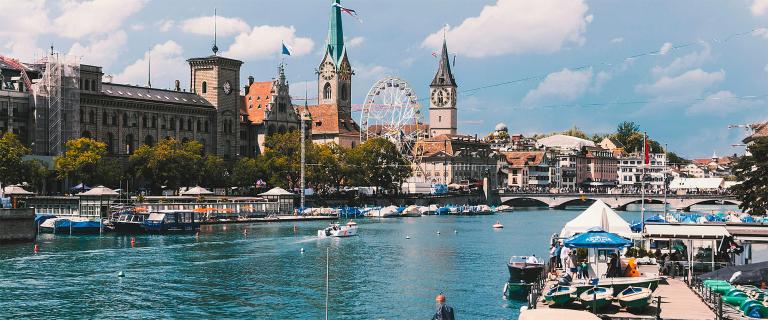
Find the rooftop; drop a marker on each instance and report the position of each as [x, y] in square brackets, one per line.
[153, 95]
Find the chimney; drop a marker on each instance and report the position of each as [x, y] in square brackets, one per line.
[246, 88]
[250, 80]
[177, 84]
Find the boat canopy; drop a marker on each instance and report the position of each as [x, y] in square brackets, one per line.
[156, 216]
[685, 231]
[597, 215]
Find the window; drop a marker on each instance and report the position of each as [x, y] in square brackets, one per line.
[439, 118]
[199, 125]
[91, 117]
[327, 91]
[87, 85]
[154, 121]
[206, 125]
[114, 119]
[110, 143]
[104, 118]
[344, 92]
[129, 143]
[144, 121]
[172, 124]
[149, 140]
[93, 85]
[125, 120]
[281, 107]
[181, 124]
[205, 87]
[189, 124]
[243, 135]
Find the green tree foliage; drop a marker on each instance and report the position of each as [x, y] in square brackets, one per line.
[598, 137]
[331, 169]
[625, 130]
[283, 158]
[673, 158]
[11, 152]
[575, 132]
[378, 163]
[169, 163]
[36, 173]
[247, 171]
[213, 171]
[80, 160]
[752, 171]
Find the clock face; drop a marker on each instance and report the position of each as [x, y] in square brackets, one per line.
[327, 71]
[227, 87]
[440, 97]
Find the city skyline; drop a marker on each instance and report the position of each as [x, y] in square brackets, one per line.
[565, 64]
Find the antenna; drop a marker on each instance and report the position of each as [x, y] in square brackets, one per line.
[149, 68]
[215, 48]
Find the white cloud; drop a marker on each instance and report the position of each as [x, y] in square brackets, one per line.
[265, 41]
[760, 32]
[165, 25]
[665, 48]
[354, 42]
[600, 79]
[372, 71]
[224, 26]
[100, 52]
[23, 22]
[722, 103]
[691, 60]
[517, 26]
[168, 64]
[690, 83]
[137, 27]
[759, 7]
[93, 17]
[564, 85]
[617, 40]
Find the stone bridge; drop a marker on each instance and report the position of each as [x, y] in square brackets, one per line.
[615, 201]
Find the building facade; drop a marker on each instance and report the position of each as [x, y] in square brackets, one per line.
[442, 98]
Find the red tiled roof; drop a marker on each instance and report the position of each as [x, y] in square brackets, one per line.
[326, 120]
[523, 158]
[260, 94]
[760, 130]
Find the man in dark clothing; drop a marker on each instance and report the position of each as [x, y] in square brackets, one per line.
[443, 312]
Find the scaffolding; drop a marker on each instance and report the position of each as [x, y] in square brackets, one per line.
[57, 103]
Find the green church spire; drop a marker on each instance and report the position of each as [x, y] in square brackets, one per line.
[336, 33]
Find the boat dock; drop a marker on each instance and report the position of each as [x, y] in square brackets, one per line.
[678, 302]
[271, 219]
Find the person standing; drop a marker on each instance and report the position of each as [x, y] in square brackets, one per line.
[558, 250]
[565, 256]
[444, 312]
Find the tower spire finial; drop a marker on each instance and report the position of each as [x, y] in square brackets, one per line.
[215, 48]
[149, 68]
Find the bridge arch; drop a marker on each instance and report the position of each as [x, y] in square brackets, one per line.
[525, 202]
[622, 203]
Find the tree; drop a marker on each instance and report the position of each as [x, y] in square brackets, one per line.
[80, 160]
[282, 153]
[752, 171]
[378, 163]
[36, 173]
[168, 164]
[575, 132]
[331, 167]
[247, 171]
[673, 158]
[11, 153]
[625, 130]
[598, 137]
[213, 171]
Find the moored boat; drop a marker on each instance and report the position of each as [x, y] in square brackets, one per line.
[597, 297]
[635, 298]
[338, 231]
[618, 284]
[504, 208]
[560, 295]
[171, 222]
[521, 270]
[70, 225]
[130, 222]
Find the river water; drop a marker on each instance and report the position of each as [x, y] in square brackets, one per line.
[264, 275]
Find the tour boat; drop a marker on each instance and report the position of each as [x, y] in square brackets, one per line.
[130, 222]
[560, 295]
[498, 225]
[635, 298]
[596, 297]
[521, 275]
[171, 222]
[335, 230]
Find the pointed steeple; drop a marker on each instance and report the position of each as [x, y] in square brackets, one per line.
[335, 33]
[444, 76]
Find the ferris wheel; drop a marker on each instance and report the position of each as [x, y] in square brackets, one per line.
[391, 111]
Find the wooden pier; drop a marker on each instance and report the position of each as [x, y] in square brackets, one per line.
[678, 302]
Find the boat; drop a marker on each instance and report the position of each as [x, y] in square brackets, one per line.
[77, 225]
[635, 298]
[335, 230]
[618, 284]
[171, 221]
[504, 208]
[411, 211]
[596, 297]
[521, 275]
[130, 222]
[498, 225]
[560, 295]
[351, 223]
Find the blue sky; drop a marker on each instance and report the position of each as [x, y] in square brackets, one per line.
[566, 60]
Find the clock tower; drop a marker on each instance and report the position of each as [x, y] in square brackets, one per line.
[442, 98]
[334, 75]
[217, 79]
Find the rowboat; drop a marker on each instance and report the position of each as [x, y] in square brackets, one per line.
[560, 295]
[635, 298]
[596, 297]
[618, 284]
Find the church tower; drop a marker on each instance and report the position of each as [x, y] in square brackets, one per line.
[334, 75]
[442, 98]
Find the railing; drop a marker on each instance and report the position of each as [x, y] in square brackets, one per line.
[619, 195]
[712, 299]
[537, 288]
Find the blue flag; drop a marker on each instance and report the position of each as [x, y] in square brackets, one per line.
[285, 50]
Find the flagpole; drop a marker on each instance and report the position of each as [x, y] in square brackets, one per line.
[642, 184]
[303, 148]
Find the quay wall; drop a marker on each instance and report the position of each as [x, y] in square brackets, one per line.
[397, 200]
[17, 225]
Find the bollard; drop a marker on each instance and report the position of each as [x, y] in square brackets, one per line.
[658, 307]
[36, 248]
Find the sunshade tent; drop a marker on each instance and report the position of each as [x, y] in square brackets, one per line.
[81, 187]
[597, 239]
[597, 215]
[197, 191]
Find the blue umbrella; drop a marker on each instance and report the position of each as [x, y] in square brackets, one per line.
[597, 239]
[81, 186]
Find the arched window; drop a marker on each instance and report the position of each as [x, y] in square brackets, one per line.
[110, 143]
[189, 124]
[104, 118]
[149, 140]
[344, 92]
[129, 143]
[205, 87]
[86, 134]
[91, 117]
[327, 91]
[206, 125]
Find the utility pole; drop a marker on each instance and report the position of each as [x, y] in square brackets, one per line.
[303, 148]
[665, 176]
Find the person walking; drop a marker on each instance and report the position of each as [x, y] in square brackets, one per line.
[444, 312]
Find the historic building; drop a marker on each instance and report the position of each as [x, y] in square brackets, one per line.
[527, 170]
[442, 98]
[332, 115]
[457, 159]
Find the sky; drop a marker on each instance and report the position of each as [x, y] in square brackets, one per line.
[683, 70]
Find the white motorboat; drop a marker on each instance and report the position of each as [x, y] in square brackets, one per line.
[339, 231]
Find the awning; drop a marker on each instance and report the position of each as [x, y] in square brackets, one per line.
[684, 231]
[751, 232]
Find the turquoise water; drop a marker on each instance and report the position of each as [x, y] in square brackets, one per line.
[226, 274]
